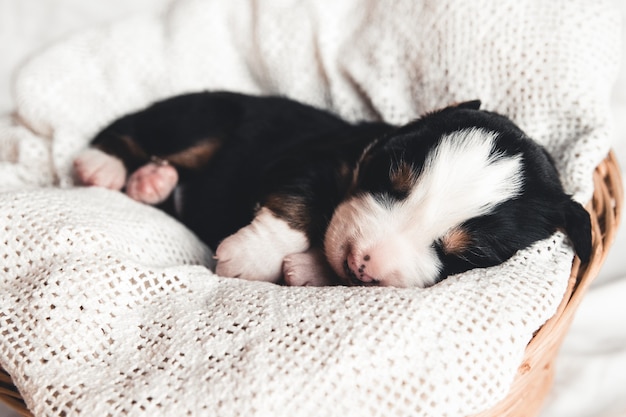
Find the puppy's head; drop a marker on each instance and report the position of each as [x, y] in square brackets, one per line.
[457, 189]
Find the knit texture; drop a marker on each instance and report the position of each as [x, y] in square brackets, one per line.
[106, 306]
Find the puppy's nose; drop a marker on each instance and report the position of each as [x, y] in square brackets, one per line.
[357, 265]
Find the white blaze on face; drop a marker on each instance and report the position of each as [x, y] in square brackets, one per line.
[391, 242]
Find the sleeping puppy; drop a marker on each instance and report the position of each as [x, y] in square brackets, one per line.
[283, 190]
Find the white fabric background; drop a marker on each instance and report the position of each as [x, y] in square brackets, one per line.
[591, 371]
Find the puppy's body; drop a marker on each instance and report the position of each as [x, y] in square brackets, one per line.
[269, 182]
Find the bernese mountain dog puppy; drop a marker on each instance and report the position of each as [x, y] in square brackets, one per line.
[281, 190]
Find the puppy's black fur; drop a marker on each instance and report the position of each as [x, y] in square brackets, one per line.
[268, 147]
[301, 163]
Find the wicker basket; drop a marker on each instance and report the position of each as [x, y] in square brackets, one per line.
[535, 375]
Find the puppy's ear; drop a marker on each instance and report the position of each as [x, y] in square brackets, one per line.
[578, 227]
[471, 105]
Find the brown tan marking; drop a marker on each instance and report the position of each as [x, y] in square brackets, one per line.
[197, 156]
[402, 178]
[456, 241]
[290, 208]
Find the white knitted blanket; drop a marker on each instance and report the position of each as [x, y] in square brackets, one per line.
[105, 308]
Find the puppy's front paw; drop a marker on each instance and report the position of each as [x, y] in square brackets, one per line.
[245, 255]
[152, 183]
[308, 268]
[256, 252]
[94, 167]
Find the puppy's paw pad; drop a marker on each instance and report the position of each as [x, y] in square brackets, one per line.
[152, 183]
[94, 167]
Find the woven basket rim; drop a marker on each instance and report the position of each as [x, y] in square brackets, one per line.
[535, 374]
[526, 395]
